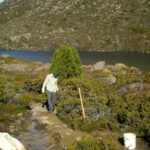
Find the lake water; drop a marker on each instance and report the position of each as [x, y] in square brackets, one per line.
[140, 60]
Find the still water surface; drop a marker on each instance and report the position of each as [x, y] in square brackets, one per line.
[140, 60]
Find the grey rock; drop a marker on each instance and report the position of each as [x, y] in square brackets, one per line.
[5, 56]
[118, 67]
[137, 86]
[99, 65]
[110, 79]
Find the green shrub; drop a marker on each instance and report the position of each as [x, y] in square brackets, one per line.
[138, 28]
[67, 62]
[39, 97]
[8, 113]
[68, 109]
[25, 98]
[33, 85]
[87, 143]
[104, 107]
[128, 78]
[6, 96]
[147, 77]
[90, 143]
[91, 90]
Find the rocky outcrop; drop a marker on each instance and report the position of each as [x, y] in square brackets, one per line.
[108, 73]
[23, 66]
[110, 79]
[118, 67]
[133, 87]
[16, 67]
[98, 66]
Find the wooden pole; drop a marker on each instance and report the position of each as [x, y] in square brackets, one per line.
[82, 107]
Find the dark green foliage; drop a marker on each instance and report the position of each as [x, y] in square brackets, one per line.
[67, 62]
[25, 99]
[87, 143]
[33, 85]
[13, 100]
[6, 92]
[147, 77]
[8, 113]
[138, 28]
[89, 89]
[127, 78]
[90, 143]
[105, 108]
[69, 109]
[39, 97]
[137, 113]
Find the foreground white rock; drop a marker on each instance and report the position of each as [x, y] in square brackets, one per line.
[7, 142]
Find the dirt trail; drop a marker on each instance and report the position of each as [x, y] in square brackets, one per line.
[60, 130]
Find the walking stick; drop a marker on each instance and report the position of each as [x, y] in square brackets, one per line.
[82, 107]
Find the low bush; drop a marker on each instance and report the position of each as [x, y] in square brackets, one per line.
[105, 108]
[138, 28]
[25, 99]
[90, 143]
[33, 85]
[8, 112]
[146, 77]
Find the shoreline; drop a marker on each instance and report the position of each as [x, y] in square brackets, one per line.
[102, 50]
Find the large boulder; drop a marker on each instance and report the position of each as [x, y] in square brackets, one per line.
[5, 56]
[118, 67]
[110, 79]
[7, 142]
[133, 87]
[99, 65]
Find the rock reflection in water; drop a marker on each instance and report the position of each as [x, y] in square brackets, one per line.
[37, 137]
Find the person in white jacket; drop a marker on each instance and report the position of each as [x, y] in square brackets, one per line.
[50, 87]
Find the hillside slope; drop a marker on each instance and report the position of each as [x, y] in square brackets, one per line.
[87, 25]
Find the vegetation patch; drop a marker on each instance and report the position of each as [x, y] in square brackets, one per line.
[16, 95]
[66, 62]
[91, 143]
[107, 106]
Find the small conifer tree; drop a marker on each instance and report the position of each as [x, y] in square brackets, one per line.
[66, 62]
